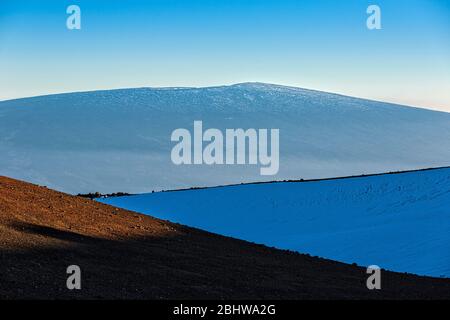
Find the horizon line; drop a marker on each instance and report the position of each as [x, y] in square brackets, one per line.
[228, 85]
[111, 195]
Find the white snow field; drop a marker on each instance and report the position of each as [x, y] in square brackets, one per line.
[119, 140]
[400, 221]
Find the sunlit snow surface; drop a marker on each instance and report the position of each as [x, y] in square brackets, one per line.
[400, 222]
[119, 140]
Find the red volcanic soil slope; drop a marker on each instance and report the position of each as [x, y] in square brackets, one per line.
[125, 255]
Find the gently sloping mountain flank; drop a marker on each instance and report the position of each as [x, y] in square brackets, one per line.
[125, 255]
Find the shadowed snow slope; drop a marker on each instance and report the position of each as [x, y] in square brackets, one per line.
[400, 222]
[119, 140]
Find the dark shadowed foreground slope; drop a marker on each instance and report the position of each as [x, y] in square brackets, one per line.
[127, 255]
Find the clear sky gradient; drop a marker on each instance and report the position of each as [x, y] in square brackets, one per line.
[317, 44]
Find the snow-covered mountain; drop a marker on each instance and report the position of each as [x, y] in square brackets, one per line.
[400, 222]
[119, 140]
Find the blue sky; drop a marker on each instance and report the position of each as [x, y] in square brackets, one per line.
[318, 44]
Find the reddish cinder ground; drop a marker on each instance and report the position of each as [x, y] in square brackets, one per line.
[125, 255]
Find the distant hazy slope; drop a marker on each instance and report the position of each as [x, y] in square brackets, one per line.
[400, 222]
[119, 140]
